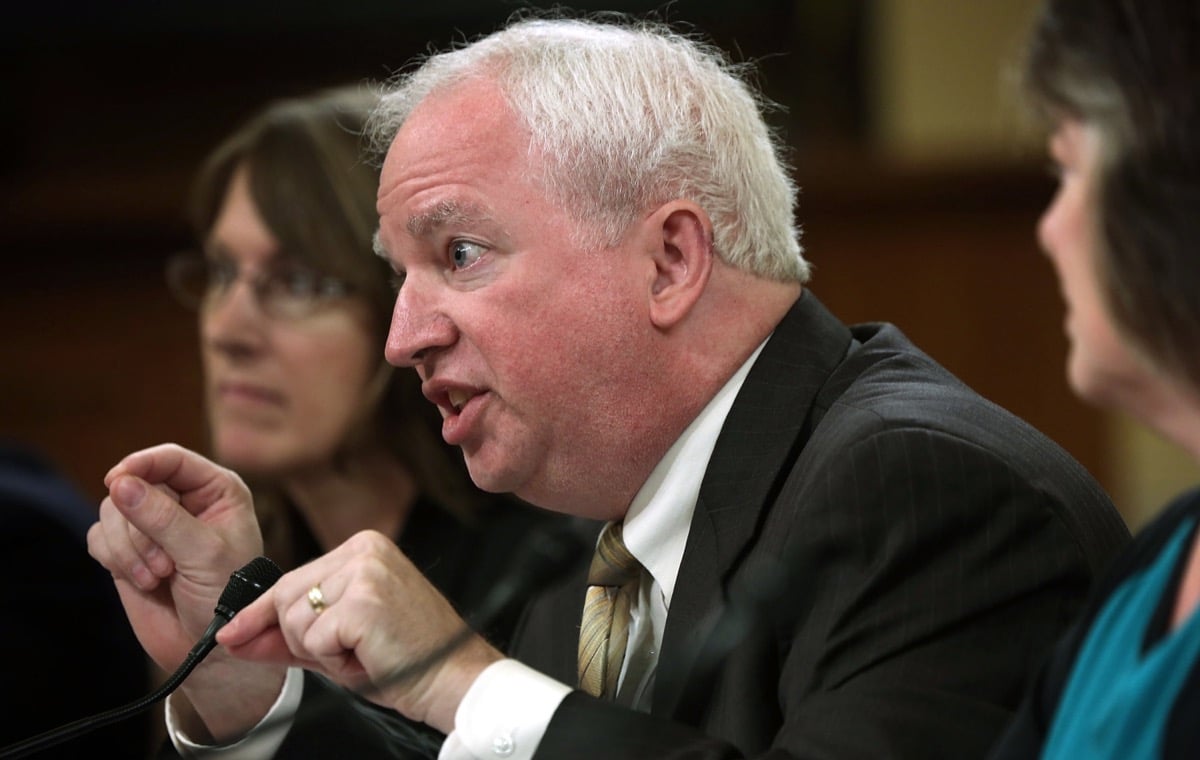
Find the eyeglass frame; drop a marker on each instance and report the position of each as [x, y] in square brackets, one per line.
[323, 289]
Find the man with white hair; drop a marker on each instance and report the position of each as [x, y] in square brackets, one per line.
[818, 542]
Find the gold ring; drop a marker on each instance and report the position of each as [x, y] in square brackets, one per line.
[316, 599]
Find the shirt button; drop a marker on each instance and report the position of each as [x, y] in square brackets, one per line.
[503, 745]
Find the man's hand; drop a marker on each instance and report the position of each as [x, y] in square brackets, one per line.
[171, 531]
[381, 617]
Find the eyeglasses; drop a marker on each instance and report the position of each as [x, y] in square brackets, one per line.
[286, 291]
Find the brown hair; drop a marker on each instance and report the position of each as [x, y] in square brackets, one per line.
[1128, 68]
[316, 194]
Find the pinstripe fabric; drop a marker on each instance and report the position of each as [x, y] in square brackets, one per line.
[925, 548]
[604, 630]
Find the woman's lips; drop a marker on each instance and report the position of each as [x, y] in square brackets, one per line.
[248, 393]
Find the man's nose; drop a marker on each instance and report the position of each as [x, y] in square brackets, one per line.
[419, 327]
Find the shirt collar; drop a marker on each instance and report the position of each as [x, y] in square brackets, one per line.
[656, 526]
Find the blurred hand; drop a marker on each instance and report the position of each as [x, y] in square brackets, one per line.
[172, 529]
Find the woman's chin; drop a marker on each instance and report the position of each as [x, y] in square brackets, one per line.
[249, 457]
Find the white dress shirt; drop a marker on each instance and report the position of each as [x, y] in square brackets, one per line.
[507, 709]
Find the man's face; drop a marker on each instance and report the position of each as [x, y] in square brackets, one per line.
[529, 344]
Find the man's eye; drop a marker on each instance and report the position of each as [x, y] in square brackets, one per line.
[464, 253]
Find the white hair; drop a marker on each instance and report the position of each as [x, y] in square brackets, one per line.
[626, 116]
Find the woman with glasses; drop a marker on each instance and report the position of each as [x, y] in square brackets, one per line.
[1117, 81]
[293, 308]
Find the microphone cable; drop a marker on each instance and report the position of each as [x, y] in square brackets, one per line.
[245, 585]
[547, 553]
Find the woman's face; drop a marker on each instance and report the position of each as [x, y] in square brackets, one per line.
[282, 393]
[1101, 367]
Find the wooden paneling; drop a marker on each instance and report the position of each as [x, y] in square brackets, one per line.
[98, 360]
[96, 366]
[106, 117]
[952, 260]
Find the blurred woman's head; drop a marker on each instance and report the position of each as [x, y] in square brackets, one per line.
[1116, 82]
[294, 305]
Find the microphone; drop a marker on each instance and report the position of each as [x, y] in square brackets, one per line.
[245, 585]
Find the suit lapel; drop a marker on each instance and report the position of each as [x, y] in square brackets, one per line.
[764, 432]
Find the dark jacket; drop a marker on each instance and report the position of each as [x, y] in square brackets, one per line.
[69, 652]
[878, 559]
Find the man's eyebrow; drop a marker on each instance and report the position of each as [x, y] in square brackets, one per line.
[445, 213]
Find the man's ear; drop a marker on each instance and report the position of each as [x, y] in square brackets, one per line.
[680, 236]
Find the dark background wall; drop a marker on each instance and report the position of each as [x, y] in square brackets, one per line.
[107, 109]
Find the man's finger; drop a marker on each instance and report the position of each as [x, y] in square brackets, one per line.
[171, 465]
[160, 518]
[255, 620]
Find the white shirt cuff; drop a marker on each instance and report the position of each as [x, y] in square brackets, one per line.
[504, 714]
[260, 742]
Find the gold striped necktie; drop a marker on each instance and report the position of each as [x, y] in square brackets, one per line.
[604, 630]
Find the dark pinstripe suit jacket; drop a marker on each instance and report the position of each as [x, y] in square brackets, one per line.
[878, 559]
